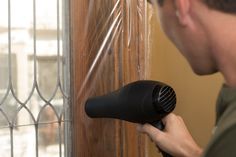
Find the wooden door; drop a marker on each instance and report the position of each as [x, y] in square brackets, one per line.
[108, 51]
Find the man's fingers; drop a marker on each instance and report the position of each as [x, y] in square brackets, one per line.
[167, 118]
[155, 134]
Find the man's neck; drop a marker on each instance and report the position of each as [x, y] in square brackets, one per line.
[222, 35]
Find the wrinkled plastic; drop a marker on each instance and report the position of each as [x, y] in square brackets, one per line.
[110, 41]
[115, 50]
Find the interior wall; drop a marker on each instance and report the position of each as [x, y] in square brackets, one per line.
[196, 95]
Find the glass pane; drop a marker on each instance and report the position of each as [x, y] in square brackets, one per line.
[23, 117]
[63, 139]
[22, 46]
[4, 72]
[47, 68]
[47, 115]
[49, 140]
[58, 102]
[34, 104]
[47, 47]
[24, 141]
[3, 120]
[10, 107]
[14, 76]
[5, 142]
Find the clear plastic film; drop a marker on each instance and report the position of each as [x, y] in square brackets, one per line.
[109, 50]
[113, 44]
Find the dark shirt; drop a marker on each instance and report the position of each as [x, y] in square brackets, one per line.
[223, 141]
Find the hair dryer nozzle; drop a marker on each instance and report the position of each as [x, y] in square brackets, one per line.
[139, 102]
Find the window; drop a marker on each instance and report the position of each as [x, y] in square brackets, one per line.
[34, 78]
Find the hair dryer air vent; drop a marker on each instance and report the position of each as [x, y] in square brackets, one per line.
[164, 99]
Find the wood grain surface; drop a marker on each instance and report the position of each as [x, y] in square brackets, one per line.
[117, 36]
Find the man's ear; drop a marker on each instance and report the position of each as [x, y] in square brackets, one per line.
[182, 11]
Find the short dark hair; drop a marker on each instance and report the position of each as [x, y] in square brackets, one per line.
[160, 2]
[228, 6]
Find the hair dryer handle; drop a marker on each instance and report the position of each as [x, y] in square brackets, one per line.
[159, 125]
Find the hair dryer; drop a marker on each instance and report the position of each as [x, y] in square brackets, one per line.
[138, 102]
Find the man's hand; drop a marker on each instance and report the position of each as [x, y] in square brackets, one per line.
[175, 139]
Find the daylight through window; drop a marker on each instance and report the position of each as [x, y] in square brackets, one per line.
[34, 78]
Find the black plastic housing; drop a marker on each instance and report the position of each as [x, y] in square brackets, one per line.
[138, 102]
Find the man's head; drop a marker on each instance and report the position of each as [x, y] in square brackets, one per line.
[196, 28]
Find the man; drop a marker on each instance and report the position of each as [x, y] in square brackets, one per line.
[205, 33]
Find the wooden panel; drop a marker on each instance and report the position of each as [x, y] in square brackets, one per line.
[122, 62]
[133, 65]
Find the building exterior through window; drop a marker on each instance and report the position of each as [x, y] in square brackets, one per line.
[34, 79]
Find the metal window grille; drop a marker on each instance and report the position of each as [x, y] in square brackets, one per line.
[34, 78]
